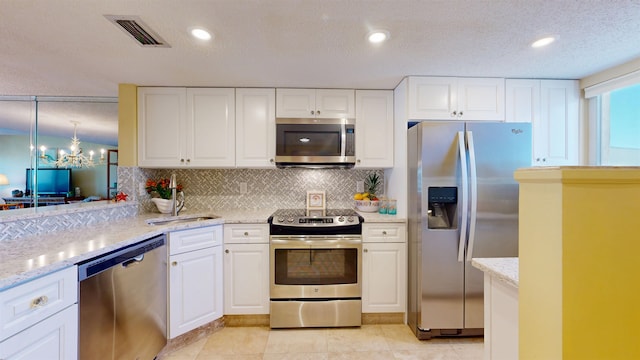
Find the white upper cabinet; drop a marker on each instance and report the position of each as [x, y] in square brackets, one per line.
[210, 127]
[161, 125]
[556, 135]
[522, 100]
[374, 128]
[315, 103]
[255, 128]
[552, 108]
[186, 127]
[451, 98]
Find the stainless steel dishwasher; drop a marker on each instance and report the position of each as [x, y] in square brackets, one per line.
[123, 302]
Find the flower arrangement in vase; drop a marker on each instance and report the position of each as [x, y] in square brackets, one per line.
[161, 194]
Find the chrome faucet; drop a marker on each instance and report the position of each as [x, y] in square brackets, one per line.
[173, 185]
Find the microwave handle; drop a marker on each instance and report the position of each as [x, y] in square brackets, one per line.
[343, 140]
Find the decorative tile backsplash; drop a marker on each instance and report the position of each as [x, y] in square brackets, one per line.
[266, 188]
[204, 190]
[67, 218]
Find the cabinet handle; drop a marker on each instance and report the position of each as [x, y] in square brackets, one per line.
[365, 250]
[460, 115]
[454, 114]
[246, 233]
[181, 160]
[537, 159]
[188, 161]
[39, 301]
[544, 159]
[271, 161]
[358, 161]
[384, 232]
[318, 112]
[226, 251]
[174, 263]
[312, 112]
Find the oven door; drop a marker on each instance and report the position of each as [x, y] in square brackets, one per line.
[311, 141]
[316, 267]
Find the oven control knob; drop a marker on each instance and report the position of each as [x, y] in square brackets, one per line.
[341, 219]
[290, 219]
[350, 219]
[281, 219]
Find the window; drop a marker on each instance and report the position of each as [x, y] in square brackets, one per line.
[614, 121]
[619, 125]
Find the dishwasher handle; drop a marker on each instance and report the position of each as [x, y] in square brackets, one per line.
[134, 260]
[124, 256]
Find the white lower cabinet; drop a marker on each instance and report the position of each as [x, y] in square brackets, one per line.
[246, 269]
[384, 268]
[39, 319]
[55, 338]
[501, 319]
[195, 278]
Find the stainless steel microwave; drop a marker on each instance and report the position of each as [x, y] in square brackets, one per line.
[315, 143]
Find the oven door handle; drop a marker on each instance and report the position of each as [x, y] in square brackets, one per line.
[315, 243]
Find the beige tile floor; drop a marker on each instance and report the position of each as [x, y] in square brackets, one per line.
[370, 342]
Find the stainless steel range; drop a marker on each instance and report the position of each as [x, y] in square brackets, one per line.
[315, 268]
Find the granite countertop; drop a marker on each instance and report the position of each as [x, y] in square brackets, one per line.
[370, 217]
[503, 269]
[29, 257]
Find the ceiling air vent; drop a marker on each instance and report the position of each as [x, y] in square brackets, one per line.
[138, 30]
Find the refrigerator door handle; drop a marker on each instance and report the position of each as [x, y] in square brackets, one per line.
[465, 195]
[474, 194]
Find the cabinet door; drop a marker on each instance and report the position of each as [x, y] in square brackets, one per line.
[54, 338]
[522, 100]
[210, 127]
[384, 277]
[374, 128]
[481, 99]
[255, 128]
[195, 289]
[246, 279]
[432, 98]
[335, 104]
[295, 103]
[556, 135]
[161, 126]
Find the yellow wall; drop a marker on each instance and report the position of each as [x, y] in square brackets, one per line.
[127, 125]
[590, 213]
[540, 275]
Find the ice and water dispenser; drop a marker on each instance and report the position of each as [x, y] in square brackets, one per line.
[443, 202]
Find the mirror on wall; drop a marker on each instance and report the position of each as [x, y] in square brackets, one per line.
[57, 150]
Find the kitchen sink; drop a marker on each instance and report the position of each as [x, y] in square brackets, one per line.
[179, 220]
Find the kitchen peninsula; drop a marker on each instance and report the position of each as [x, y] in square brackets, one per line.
[500, 307]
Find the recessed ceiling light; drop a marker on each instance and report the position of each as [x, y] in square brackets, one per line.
[200, 33]
[378, 36]
[543, 42]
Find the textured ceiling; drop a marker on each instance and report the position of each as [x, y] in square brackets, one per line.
[67, 47]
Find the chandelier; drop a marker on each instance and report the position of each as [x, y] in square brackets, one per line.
[76, 158]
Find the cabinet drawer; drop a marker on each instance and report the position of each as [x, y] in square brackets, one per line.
[29, 303]
[194, 239]
[384, 232]
[246, 234]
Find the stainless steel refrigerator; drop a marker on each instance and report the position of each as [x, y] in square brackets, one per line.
[463, 204]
